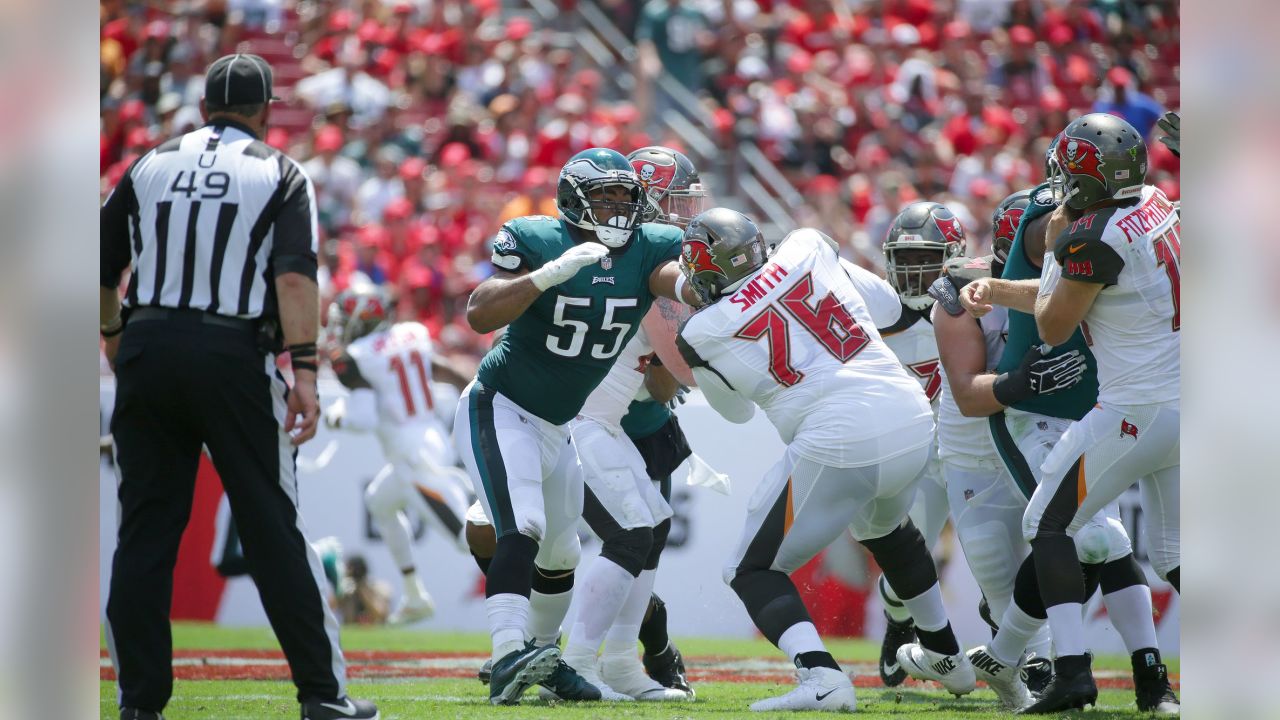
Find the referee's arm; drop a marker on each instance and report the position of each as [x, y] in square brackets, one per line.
[114, 258]
[293, 258]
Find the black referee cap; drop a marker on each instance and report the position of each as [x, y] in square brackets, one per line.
[240, 79]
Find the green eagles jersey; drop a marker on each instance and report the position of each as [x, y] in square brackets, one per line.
[644, 418]
[558, 351]
[1071, 403]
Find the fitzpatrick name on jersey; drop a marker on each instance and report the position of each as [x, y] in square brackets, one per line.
[553, 356]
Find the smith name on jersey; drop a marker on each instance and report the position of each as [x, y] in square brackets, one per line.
[798, 340]
[557, 352]
[1134, 250]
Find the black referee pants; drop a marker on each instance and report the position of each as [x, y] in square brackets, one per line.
[182, 383]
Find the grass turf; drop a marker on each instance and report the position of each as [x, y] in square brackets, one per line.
[403, 699]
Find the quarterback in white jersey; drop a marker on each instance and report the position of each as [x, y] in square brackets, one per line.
[388, 369]
[792, 335]
[1113, 272]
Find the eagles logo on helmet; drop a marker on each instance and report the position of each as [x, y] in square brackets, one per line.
[1080, 157]
[697, 256]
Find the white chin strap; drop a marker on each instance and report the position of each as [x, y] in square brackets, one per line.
[917, 302]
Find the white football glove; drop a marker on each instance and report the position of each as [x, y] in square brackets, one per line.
[334, 413]
[568, 264]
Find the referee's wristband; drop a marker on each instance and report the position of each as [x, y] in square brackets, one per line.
[300, 364]
[303, 349]
[111, 331]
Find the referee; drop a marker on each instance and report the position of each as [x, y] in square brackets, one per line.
[220, 233]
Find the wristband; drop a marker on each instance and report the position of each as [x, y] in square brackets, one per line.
[1008, 391]
[304, 365]
[681, 281]
[111, 331]
[303, 349]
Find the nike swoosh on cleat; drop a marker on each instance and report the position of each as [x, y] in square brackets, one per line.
[823, 696]
[346, 708]
[892, 669]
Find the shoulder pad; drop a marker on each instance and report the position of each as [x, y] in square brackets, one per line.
[963, 270]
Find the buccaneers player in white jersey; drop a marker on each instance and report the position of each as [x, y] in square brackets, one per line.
[388, 369]
[793, 336]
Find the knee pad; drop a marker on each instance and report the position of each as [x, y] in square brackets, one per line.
[992, 558]
[629, 549]
[551, 582]
[660, 534]
[1105, 541]
[560, 553]
[379, 497]
[905, 560]
[530, 522]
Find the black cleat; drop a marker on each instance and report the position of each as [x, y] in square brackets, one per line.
[896, 634]
[520, 670]
[485, 672]
[343, 709]
[1071, 689]
[1037, 673]
[565, 683]
[1151, 684]
[136, 714]
[667, 669]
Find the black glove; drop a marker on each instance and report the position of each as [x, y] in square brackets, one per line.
[944, 290]
[1039, 375]
[1171, 124]
[678, 399]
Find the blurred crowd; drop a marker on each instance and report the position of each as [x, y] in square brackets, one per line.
[425, 124]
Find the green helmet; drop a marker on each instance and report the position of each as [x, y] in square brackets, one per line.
[668, 175]
[922, 237]
[595, 169]
[722, 247]
[1098, 157]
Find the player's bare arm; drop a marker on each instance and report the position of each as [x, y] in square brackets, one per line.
[661, 324]
[299, 300]
[448, 370]
[963, 352]
[660, 383]
[662, 283]
[1036, 237]
[1059, 313]
[979, 296]
[500, 299]
[109, 321]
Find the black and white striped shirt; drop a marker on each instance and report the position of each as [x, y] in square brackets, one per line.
[207, 221]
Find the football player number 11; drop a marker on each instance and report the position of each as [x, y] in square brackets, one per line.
[827, 321]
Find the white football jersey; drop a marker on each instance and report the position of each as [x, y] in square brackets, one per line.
[608, 403]
[965, 436]
[907, 333]
[396, 363]
[798, 340]
[1133, 326]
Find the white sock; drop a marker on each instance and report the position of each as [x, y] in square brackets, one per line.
[623, 637]
[602, 591]
[412, 588]
[1067, 625]
[1130, 612]
[1016, 630]
[546, 613]
[397, 534]
[927, 609]
[1042, 642]
[800, 638]
[508, 613]
[893, 606]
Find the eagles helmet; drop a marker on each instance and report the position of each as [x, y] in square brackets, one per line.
[1098, 157]
[357, 311]
[721, 248]
[590, 172]
[921, 239]
[669, 175]
[1005, 221]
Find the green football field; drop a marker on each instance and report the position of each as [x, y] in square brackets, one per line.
[239, 673]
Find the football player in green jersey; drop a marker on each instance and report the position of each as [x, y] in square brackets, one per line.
[572, 291]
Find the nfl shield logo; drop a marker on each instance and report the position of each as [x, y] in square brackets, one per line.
[606, 262]
[968, 494]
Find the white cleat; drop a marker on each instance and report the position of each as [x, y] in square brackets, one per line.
[819, 689]
[625, 674]
[589, 671]
[1004, 679]
[954, 672]
[413, 609]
